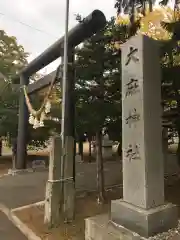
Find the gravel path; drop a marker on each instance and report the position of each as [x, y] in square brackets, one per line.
[172, 234]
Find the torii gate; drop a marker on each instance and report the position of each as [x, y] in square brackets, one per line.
[90, 25]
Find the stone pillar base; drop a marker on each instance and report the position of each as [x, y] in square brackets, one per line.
[100, 228]
[145, 222]
[14, 172]
[69, 201]
[107, 151]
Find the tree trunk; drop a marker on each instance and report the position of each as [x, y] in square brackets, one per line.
[165, 140]
[119, 150]
[150, 5]
[80, 150]
[100, 168]
[14, 153]
[90, 150]
[178, 149]
[0, 147]
[74, 162]
[144, 8]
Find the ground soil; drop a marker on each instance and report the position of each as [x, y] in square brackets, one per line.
[5, 164]
[85, 207]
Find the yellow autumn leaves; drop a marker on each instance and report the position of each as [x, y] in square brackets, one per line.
[150, 24]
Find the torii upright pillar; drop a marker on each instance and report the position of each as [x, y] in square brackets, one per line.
[22, 126]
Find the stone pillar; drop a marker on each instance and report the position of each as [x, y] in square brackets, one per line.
[107, 151]
[53, 196]
[142, 208]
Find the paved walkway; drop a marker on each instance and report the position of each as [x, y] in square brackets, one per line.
[8, 231]
[20, 190]
[28, 188]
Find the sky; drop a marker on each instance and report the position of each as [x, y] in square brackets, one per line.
[37, 24]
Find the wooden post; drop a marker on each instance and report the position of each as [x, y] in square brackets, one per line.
[22, 126]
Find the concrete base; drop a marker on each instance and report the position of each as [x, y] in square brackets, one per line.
[100, 228]
[145, 222]
[14, 172]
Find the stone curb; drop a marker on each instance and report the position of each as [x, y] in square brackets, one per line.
[23, 227]
[14, 172]
[41, 203]
[19, 224]
[10, 213]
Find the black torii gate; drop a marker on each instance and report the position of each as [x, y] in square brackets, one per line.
[89, 26]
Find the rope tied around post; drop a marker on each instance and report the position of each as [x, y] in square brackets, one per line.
[61, 180]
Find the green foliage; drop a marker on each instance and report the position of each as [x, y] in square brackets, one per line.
[171, 84]
[12, 59]
[98, 81]
[12, 56]
[8, 113]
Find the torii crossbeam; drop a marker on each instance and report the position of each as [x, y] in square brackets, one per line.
[89, 26]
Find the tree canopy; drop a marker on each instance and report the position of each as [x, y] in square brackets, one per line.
[98, 72]
[159, 25]
[12, 59]
[98, 81]
[12, 55]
